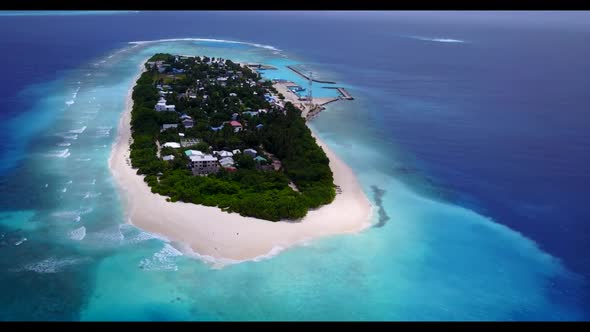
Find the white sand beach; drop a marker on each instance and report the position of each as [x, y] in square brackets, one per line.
[222, 237]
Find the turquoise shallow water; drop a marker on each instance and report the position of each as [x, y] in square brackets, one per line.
[428, 261]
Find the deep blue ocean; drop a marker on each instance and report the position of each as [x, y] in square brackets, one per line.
[474, 127]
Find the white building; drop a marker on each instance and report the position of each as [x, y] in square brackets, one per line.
[168, 126]
[162, 107]
[203, 165]
[173, 145]
[168, 157]
[223, 154]
[236, 151]
[227, 162]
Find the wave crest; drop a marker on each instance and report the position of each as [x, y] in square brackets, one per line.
[268, 47]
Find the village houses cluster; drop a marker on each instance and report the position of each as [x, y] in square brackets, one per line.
[207, 163]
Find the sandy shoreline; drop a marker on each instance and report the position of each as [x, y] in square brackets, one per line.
[221, 237]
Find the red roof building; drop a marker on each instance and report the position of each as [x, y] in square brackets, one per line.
[235, 124]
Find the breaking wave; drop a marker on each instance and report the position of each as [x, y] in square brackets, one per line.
[59, 153]
[91, 194]
[78, 234]
[78, 131]
[163, 260]
[53, 265]
[439, 40]
[268, 47]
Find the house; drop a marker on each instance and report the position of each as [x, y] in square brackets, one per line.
[259, 126]
[203, 164]
[188, 123]
[186, 142]
[181, 134]
[234, 116]
[173, 145]
[161, 106]
[227, 162]
[223, 154]
[251, 152]
[189, 153]
[184, 117]
[236, 151]
[236, 125]
[233, 95]
[260, 159]
[168, 126]
[168, 157]
[251, 113]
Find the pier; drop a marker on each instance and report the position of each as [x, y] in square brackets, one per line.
[345, 94]
[258, 66]
[307, 77]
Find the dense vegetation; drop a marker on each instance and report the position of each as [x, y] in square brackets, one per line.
[251, 190]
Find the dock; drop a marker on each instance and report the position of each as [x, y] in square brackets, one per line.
[258, 66]
[345, 94]
[307, 77]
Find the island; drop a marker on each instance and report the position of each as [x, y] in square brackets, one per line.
[209, 131]
[208, 153]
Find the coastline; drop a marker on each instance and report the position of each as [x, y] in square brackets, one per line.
[223, 238]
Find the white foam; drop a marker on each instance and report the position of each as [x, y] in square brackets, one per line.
[52, 264]
[162, 260]
[59, 153]
[70, 102]
[268, 47]
[78, 234]
[218, 263]
[439, 40]
[91, 194]
[83, 159]
[46, 185]
[78, 131]
[103, 131]
[64, 144]
[132, 234]
[64, 190]
[74, 215]
[68, 136]
[21, 241]
[75, 94]
[111, 235]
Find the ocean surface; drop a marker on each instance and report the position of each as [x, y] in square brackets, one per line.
[469, 132]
